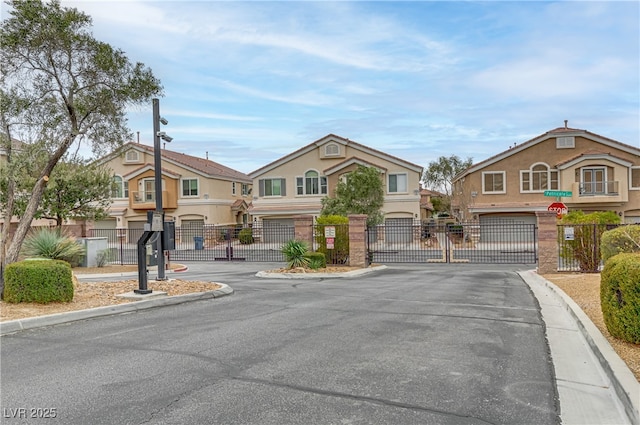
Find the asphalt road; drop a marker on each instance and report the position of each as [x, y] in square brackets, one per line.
[423, 344]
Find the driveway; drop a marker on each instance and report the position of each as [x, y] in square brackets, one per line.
[441, 344]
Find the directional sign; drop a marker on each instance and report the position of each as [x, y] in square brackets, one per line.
[558, 193]
[559, 208]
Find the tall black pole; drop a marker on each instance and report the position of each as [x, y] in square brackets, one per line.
[158, 183]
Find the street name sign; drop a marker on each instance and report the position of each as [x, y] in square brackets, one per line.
[558, 193]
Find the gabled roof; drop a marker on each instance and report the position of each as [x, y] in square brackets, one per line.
[560, 131]
[197, 165]
[592, 154]
[349, 161]
[336, 139]
[147, 167]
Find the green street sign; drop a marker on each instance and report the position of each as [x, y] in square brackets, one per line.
[558, 193]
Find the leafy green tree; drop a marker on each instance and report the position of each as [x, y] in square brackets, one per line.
[60, 86]
[440, 174]
[361, 193]
[77, 190]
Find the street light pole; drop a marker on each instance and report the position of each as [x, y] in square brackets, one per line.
[158, 184]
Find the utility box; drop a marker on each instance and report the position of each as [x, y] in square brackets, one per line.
[169, 236]
[92, 247]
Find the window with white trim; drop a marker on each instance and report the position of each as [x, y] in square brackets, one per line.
[311, 184]
[272, 187]
[493, 182]
[121, 188]
[245, 189]
[132, 156]
[332, 149]
[397, 183]
[566, 142]
[538, 178]
[189, 188]
[635, 178]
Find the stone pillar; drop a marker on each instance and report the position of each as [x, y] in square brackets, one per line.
[547, 242]
[304, 229]
[357, 240]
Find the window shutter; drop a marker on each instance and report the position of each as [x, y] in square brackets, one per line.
[261, 188]
[283, 187]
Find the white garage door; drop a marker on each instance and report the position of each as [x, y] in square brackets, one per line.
[190, 229]
[105, 229]
[507, 228]
[278, 230]
[398, 230]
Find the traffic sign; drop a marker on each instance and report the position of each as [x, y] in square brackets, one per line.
[559, 208]
[558, 193]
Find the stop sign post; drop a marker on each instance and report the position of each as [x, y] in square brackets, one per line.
[559, 208]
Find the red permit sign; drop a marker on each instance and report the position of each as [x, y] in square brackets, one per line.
[559, 208]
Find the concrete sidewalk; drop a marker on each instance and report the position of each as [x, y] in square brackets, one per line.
[594, 385]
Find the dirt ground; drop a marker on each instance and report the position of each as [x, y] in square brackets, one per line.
[584, 289]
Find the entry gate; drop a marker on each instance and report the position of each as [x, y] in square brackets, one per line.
[498, 242]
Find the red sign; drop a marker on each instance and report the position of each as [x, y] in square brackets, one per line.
[559, 208]
[330, 242]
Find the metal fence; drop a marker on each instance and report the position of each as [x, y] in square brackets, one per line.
[509, 243]
[579, 246]
[472, 242]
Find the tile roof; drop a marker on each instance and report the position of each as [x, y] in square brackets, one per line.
[205, 166]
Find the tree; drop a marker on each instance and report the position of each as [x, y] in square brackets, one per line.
[59, 86]
[439, 175]
[361, 193]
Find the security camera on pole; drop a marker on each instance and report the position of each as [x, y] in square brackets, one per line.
[157, 135]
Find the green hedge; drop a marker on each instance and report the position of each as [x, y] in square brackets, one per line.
[619, 240]
[620, 296]
[339, 254]
[245, 236]
[38, 281]
[317, 260]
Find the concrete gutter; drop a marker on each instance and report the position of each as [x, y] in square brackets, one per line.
[623, 382]
[13, 326]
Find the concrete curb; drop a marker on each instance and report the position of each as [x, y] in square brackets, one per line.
[126, 274]
[13, 326]
[351, 273]
[622, 379]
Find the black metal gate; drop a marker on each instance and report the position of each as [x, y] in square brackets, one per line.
[431, 242]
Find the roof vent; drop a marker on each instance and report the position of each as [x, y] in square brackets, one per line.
[566, 122]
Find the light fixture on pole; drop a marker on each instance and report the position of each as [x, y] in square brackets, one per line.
[157, 135]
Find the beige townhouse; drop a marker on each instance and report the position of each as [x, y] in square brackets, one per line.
[296, 183]
[590, 173]
[195, 191]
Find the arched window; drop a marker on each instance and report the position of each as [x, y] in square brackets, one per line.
[311, 184]
[538, 178]
[332, 149]
[120, 188]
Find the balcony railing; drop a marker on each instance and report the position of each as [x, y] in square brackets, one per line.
[144, 197]
[603, 188]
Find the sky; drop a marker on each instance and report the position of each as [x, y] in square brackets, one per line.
[249, 82]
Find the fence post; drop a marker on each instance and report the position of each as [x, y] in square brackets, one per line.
[547, 242]
[304, 229]
[357, 240]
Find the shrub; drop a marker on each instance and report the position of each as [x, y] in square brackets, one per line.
[53, 244]
[620, 296]
[245, 236]
[339, 254]
[103, 257]
[619, 240]
[38, 281]
[294, 253]
[317, 260]
[588, 229]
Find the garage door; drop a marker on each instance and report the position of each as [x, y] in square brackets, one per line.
[398, 230]
[105, 229]
[516, 228]
[190, 229]
[278, 230]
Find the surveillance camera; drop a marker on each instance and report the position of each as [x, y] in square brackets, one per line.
[167, 139]
[164, 121]
[161, 134]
